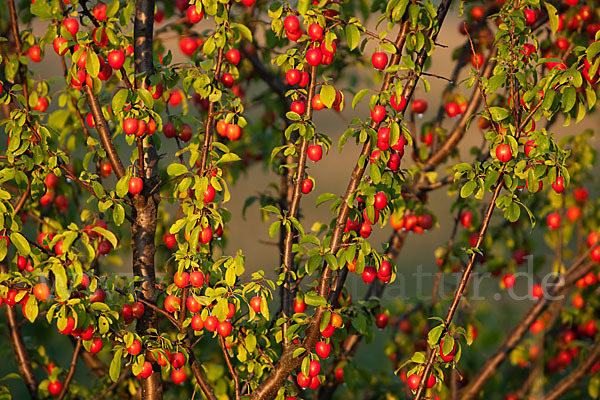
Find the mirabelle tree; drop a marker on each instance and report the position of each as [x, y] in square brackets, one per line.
[190, 318]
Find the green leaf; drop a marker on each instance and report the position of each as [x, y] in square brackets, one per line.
[20, 243]
[303, 6]
[274, 228]
[146, 97]
[328, 95]
[553, 16]
[118, 214]
[176, 169]
[433, 337]
[325, 197]
[92, 64]
[115, 365]
[228, 157]
[499, 113]
[358, 97]
[123, 186]
[119, 100]
[352, 36]
[108, 235]
[467, 189]
[313, 299]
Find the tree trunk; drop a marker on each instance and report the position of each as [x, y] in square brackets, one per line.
[145, 204]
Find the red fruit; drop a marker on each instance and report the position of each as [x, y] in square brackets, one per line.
[181, 5]
[503, 153]
[193, 15]
[553, 220]
[581, 195]
[224, 328]
[105, 70]
[291, 23]
[169, 130]
[197, 278]
[206, 235]
[317, 103]
[369, 274]
[529, 17]
[452, 109]
[508, 280]
[55, 388]
[381, 321]
[537, 291]
[178, 375]
[559, 185]
[299, 306]
[181, 280]
[314, 57]
[127, 314]
[365, 230]
[298, 107]
[255, 303]
[466, 218]
[573, 213]
[172, 303]
[315, 152]
[234, 132]
[58, 43]
[398, 106]
[529, 145]
[314, 367]
[379, 60]
[211, 323]
[41, 291]
[35, 53]
[419, 106]
[51, 180]
[209, 194]
[135, 348]
[188, 46]
[477, 60]
[137, 310]
[135, 185]
[380, 201]
[227, 80]
[72, 25]
[304, 78]
[328, 331]
[175, 98]
[378, 113]
[116, 59]
[130, 126]
[303, 380]
[193, 305]
[293, 36]
[233, 56]
[315, 31]
[99, 11]
[450, 356]
[413, 381]
[375, 217]
[197, 324]
[292, 76]
[42, 104]
[231, 311]
[307, 186]
[323, 349]
[96, 345]
[177, 360]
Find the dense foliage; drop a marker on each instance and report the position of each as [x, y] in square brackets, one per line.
[86, 179]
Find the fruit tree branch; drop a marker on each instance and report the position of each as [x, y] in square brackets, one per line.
[234, 375]
[23, 198]
[563, 386]
[14, 22]
[197, 370]
[21, 353]
[464, 280]
[71, 372]
[288, 255]
[103, 131]
[491, 366]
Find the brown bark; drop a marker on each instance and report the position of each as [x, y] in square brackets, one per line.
[21, 353]
[145, 204]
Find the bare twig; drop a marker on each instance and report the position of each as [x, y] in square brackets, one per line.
[71, 372]
[234, 375]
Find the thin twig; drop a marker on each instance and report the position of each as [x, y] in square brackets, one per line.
[71, 372]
